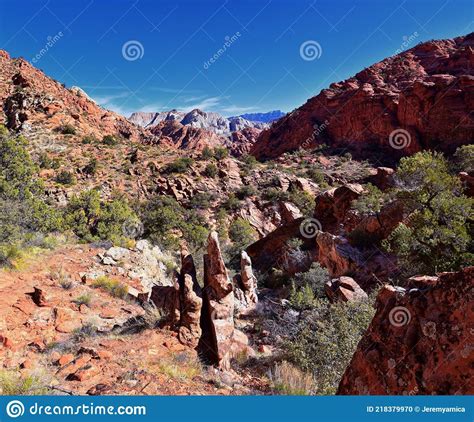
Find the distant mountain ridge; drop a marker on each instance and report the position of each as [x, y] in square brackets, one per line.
[268, 117]
[214, 122]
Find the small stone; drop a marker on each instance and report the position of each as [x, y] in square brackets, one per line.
[65, 359]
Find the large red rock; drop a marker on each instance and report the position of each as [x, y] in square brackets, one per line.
[344, 289]
[427, 91]
[275, 250]
[242, 140]
[419, 341]
[332, 206]
[218, 306]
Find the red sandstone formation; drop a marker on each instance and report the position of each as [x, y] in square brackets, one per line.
[419, 341]
[427, 91]
[176, 135]
[30, 98]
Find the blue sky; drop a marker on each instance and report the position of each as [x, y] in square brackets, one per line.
[262, 68]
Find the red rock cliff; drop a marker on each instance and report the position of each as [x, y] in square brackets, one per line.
[428, 92]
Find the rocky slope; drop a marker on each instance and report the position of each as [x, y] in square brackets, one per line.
[421, 98]
[70, 336]
[420, 340]
[36, 104]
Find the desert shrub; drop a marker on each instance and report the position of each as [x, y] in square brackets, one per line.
[303, 200]
[246, 191]
[437, 236]
[91, 167]
[206, 154]
[232, 203]
[315, 278]
[180, 165]
[92, 219]
[84, 299]
[326, 340]
[370, 202]
[24, 215]
[463, 159]
[274, 194]
[46, 162]
[316, 175]
[180, 366]
[249, 162]
[302, 298]
[13, 383]
[62, 278]
[211, 170]
[89, 139]
[113, 287]
[220, 153]
[286, 379]
[109, 140]
[241, 233]
[166, 221]
[67, 129]
[65, 177]
[202, 200]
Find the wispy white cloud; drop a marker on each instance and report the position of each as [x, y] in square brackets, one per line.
[119, 103]
[206, 104]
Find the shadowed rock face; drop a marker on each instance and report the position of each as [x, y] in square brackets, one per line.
[427, 91]
[189, 331]
[420, 340]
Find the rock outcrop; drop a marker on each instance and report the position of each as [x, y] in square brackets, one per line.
[189, 331]
[332, 206]
[204, 319]
[31, 99]
[421, 98]
[344, 289]
[419, 341]
[245, 284]
[218, 306]
[275, 251]
[176, 135]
